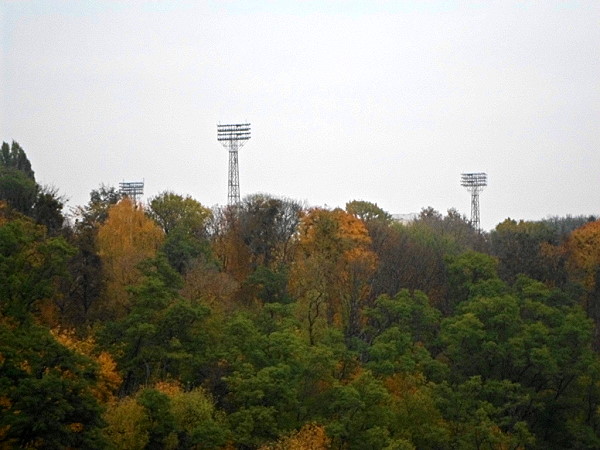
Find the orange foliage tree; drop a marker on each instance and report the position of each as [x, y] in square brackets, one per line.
[126, 238]
[108, 378]
[333, 266]
[583, 250]
[311, 436]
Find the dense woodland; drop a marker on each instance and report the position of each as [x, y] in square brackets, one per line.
[271, 325]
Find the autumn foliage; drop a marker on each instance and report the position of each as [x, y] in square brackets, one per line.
[269, 325]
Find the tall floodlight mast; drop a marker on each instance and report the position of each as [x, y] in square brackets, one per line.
[474, 182]
[233, 137]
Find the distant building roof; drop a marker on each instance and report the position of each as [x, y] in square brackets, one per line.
[405, 218]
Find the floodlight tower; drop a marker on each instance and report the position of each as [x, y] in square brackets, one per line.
[233, 137]
[474, 182]
[132, 189]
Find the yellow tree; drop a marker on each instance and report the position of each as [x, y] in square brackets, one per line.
[108, 379]
[583, 250]
[331, 273]
[583, 247]
[126, 238]
[310, 437]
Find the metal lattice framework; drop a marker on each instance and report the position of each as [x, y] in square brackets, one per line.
[233, 137]
[132, 189]
[475, 183]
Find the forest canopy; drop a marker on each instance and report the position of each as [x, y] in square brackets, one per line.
[273, 325]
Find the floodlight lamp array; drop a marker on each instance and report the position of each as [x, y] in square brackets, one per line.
[473, 180]
[131, 188]
[233, 132]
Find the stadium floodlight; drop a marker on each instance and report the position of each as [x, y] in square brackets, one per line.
[233, 137]
[475, 183]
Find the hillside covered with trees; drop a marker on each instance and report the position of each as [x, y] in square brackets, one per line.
[271, 325]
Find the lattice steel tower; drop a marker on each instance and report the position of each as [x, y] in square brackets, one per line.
[233, 137]
[474, 182]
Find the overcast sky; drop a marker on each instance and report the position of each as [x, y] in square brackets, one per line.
[385, 101]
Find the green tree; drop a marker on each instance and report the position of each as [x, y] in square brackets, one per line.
[126, 425]
[542, 350]
[400, 330]
[47, 209]
[31, 266]
[158, 338]
[15, 158]
[160, 422]
[95, 212]
[416, 417]
[172, 211]
[367, 211]
[480, 413]
[359, 413]
[470, 275]
[184, 221]
[197, 421]
[20, 190]
[17, 181]
[46, 391]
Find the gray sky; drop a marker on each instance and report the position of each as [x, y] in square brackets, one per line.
[385, 101]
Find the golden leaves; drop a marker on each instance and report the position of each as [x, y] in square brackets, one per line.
[583, 247]
[124, 240]
[109, 379]
[311, 436]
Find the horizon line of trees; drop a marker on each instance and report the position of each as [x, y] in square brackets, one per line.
[271, 325]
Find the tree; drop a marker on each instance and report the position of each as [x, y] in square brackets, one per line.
[124, 240]
[480, 413]
[583, 263]
[453, 228]
[519, 246]
[400, 330]
[413, 256]
[126, 425]
[160, 422]
[529, 354]
[416, 417]
[95, 212]
[310, 436]
[31, 266]
[367, 211]
[184, 221]
[267, 227]
[359, 413]
[197, 421]
[17, 181]
[158, 338]
[15, 158]
[47, 209]
[173, 211]
[332, 270]
[46, 391]
[86, 286]
[20, 190]
[470, 275]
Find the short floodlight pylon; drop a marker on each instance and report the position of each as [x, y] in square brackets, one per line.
[474, 182]
[233, 137]
[132, 189]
